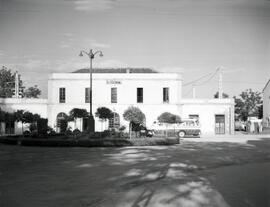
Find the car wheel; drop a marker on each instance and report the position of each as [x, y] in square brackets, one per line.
[181, 134]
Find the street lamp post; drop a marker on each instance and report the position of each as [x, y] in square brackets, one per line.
[91, 56]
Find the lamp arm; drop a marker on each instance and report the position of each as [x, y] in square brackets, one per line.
[97, 52]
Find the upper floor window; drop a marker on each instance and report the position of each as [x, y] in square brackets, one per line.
[87, 95]
[113, 95]
[165, 95]
[62, 95]
[139, 95]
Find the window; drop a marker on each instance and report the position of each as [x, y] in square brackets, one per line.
[62, 95]
[61, 122]
[139, 95]
[87, 95]
[113, 95]
[114, 122]
[165, 95]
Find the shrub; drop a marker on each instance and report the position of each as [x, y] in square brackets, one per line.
[42, 126]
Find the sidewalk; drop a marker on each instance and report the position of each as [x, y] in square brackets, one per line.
[237, 138]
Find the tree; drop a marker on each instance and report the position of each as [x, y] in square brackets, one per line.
[135, 116]
[7, 82]
[19, 117]
[9, 118]
[32, 92]
[2, 119]
[260, 112]
[104, 113]
[76, 113]
[169, 118]
[7, 85]
[247, 104]
[35, 119]
[224, 95]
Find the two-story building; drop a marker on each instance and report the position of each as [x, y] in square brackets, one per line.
[118, 89]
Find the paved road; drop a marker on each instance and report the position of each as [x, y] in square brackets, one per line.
[192, 174]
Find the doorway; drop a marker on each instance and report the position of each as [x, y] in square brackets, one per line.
[220, 124]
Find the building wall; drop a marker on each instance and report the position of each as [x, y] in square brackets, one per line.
[207, 109]
[38, 106]
[126, 85]
[266, 105]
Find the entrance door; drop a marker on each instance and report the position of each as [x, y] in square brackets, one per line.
[220, 124]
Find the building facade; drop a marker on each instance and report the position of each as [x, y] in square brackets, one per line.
[118, 89]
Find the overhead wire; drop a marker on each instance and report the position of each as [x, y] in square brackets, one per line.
[208, 79]
[196, 80]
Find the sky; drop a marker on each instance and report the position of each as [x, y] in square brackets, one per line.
[190, 37]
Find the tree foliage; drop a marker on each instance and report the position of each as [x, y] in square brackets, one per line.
[7, 85]
[19, 116]
[104, 113]
[224, 95]
[169, 118]
[134, 115]
[247, 104]
[2, 115]
[77, 113]
[32, 92]
[7, 79]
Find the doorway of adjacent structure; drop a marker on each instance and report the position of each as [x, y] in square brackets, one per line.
[220, 124]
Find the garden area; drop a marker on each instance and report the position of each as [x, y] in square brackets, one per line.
[34, 130]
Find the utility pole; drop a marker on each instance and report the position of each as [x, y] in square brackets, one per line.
[220, 89]
[17, 85]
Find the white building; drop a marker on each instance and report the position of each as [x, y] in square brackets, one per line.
[117, 89]
[266, 104]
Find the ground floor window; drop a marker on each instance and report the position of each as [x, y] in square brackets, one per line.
[61, 122]
[114, 122]
[220, 124]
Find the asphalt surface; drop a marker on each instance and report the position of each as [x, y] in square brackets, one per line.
[192, 174]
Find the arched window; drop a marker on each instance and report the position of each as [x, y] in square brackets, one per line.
[114, 122]
[61, 122]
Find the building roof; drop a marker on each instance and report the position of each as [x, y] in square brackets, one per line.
[117, 70]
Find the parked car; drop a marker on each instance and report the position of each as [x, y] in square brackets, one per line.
[144, 132]
[187, 127]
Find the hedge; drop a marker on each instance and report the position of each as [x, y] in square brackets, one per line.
[106, 142]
